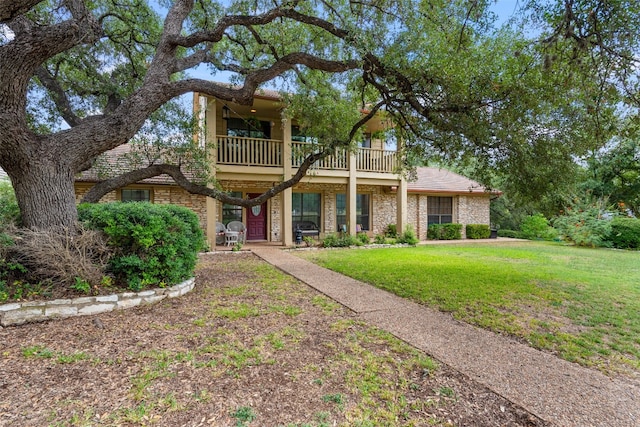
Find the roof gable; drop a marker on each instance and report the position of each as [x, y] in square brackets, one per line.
[438, 180]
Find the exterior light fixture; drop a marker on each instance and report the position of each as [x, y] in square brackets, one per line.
[225, 112]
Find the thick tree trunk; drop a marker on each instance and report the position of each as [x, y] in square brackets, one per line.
[45, 195]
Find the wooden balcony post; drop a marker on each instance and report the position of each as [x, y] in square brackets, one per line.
[209, 132]
[401, 197]
[287, 211]
[352, 189]
[401, 203]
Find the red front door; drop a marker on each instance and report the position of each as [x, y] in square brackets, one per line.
[257, 221]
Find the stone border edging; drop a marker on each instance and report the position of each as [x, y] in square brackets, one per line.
[19, 313]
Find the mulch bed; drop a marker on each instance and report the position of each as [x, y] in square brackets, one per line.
[249, 346]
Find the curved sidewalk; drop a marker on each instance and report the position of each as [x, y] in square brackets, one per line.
[559, 392]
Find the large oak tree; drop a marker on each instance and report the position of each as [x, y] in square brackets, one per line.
[79, 77]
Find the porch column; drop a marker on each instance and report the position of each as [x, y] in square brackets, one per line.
[352, 191]
[207, 129]
[401, 204]
[287, 214]
[401, 195]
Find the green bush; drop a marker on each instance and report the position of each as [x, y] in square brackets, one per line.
[153, 244]
[363, 238]
[379, 239]
[444, 232]
[509, 233]
[625, 233]
[584, 224]
[478, 231]
[536, 227]
[408, 237]
[334, 241]
[391, 231]
[9, 211]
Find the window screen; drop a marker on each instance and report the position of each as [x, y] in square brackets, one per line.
[439, 210]
[135, 195]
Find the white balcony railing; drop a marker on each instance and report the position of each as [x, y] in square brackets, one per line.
[241, 151]
[300, 150]
[372, 160]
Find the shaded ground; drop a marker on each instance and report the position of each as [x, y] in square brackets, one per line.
[249, 346]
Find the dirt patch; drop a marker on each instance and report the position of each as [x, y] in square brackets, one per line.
[249, 346]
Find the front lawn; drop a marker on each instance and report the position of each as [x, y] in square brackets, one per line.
[250, 346]
[583, 304]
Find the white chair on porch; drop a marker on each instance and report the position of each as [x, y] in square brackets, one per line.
[220, 230]
[240, 228]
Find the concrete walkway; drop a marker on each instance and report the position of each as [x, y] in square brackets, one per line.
[557, 391]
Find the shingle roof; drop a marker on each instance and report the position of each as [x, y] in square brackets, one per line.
[438, 180]
[3, 174]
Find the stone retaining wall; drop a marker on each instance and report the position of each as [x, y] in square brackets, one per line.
[34, 311]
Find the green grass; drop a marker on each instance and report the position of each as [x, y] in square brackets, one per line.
[246, 329]
[583, 304]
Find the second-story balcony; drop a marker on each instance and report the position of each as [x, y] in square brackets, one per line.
[243, 151]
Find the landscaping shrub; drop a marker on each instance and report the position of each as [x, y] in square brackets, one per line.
[153, 244]
[536, 227]
[408, 237]
[509, 233]
[625, 233]
[333, 241]
[391, 231]
[363, 238]
[444, 232]
[584, 225]
[478, 231]
[379, 239]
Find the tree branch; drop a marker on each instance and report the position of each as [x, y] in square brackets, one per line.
[9, 9]
[216, 34]
[59, 96]
[244, 95]
[193, 60]
[106, 186]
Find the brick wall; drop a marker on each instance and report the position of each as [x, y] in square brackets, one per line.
[384, 211]
[161, 194]
[82, 189]
[467, 209]
[473, 210]
[417, 214]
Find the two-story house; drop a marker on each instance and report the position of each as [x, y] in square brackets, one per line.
[253, 147]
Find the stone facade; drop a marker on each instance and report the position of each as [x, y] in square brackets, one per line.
[276, 218]
[82, 189]
[473, 210]
[178, 196]
[383, 211]
[467, 209]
